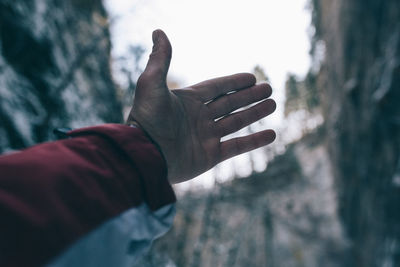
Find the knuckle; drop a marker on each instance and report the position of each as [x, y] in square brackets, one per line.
[229, 103]
[240, 121]
[220, 129]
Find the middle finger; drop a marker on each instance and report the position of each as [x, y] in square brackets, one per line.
[228, 103]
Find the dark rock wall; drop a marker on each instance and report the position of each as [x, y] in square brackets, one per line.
[300, 223]
[54, 69]
[361, 90]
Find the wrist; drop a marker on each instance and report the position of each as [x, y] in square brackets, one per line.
[133, 123]
[136, 124]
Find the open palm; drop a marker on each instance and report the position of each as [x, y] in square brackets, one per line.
[188, 123]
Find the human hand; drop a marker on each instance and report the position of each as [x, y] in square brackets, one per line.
[188, 123]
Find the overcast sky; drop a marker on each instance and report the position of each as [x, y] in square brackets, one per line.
[212, 38]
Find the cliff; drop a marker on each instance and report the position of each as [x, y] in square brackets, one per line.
[360, 77]
[333, 198]
[54, 69]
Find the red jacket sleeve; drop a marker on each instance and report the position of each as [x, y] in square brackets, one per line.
[54, 193]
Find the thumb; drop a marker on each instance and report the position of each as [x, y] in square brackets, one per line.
[157, 67]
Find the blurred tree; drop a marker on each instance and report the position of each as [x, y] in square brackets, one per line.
[129, 68]
[260, 74]
[302, 94]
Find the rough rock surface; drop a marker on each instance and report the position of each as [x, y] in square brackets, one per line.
[340, 207]
[361, 89]
[54, 69]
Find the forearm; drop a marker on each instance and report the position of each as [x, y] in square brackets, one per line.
[53, 194]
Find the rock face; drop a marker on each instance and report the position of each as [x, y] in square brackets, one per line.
[54, 69]
[331, 200]
[339, 200]
[361, 81]
[285, 216]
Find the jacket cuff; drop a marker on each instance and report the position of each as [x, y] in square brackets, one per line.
[144, 157]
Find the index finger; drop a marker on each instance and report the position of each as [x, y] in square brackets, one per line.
[213, 88]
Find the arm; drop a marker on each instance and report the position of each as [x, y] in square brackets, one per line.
[54, 194]
[91, 190]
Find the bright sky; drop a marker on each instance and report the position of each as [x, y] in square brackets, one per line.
[212, 38]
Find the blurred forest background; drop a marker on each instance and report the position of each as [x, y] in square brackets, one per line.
[328, 198]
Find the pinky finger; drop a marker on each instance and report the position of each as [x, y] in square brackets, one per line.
[239, 145]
